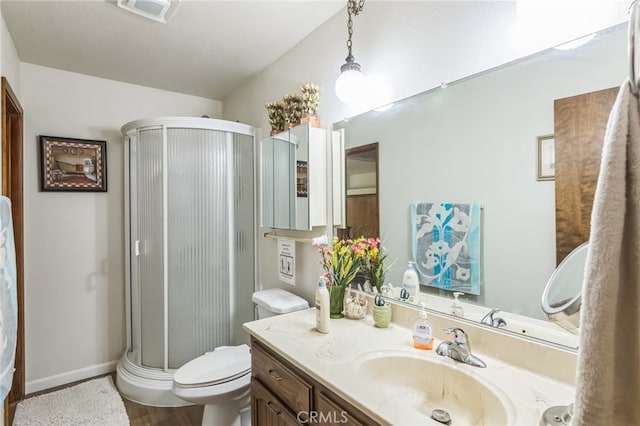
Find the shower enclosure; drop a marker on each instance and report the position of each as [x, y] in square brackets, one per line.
[190, 230]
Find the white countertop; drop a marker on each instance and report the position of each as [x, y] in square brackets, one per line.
[332, 359]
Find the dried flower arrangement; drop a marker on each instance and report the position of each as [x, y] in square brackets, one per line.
[276, 116]
[295, 109]
[310, 98]
[292, 108]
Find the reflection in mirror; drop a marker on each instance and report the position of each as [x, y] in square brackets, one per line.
[562, 297]
[362, 215]
[476, 141]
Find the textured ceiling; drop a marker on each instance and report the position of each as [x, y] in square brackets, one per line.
[207, 49]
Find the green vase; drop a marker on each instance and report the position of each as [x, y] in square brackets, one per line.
[336, 301]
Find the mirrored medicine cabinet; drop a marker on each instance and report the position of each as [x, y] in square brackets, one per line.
[293, 174]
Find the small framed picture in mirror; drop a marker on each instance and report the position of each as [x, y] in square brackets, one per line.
[546, 158]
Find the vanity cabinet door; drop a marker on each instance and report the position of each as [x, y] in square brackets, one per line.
[330, 412]
[266, 409]
[295, 392]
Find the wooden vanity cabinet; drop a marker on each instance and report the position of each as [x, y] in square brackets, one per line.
[331, 412]
[278, 378]
[281, 394]
[266, 408]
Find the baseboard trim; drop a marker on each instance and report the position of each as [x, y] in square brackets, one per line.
[69, 377]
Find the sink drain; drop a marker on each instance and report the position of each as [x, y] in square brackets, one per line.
[441, 416]
[557, 416]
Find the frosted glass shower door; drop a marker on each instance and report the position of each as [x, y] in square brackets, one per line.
[200, 250]
[147, 292]
[192, 231]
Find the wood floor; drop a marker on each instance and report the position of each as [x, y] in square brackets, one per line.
[144, 415]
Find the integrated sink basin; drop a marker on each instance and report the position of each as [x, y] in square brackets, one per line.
[422, 384]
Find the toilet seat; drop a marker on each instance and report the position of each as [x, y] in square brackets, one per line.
[223, 365]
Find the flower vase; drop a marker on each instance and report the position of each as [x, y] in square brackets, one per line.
[336, 301]
[311, 119]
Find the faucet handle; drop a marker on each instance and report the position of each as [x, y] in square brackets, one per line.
[492, 321]
[461, 336]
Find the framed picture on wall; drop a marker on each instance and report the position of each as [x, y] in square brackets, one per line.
[546, 158]
[68, 164]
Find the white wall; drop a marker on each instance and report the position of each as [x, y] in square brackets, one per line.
[414, 46]
[10, 65]
[74, 263]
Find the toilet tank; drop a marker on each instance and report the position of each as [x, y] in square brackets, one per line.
[276, 301]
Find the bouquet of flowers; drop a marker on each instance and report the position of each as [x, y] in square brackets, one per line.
[373, 260]
[341, 262]
[345, 260]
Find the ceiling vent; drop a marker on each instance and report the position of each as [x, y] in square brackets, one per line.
[157, 10]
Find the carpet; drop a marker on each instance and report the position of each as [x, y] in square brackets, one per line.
[92, 403]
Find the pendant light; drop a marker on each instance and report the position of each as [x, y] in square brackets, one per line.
[351, 82]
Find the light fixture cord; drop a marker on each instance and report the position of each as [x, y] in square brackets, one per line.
[353, 9]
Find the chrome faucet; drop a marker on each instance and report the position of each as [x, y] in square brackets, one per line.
[459, 349]
[496, 322]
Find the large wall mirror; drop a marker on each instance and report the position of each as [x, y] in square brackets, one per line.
[476, 141]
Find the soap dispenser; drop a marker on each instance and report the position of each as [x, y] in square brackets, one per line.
[456, 308]
[410, 281]
[423, 330]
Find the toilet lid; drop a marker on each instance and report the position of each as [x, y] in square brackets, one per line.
[225, 363]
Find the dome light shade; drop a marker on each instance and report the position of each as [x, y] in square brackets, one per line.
[350, 83]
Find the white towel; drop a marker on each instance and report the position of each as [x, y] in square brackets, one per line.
[8, 299]
[608, 373]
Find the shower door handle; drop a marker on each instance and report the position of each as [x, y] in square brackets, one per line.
[136, 248]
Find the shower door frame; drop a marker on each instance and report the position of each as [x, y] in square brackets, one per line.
[131, 131]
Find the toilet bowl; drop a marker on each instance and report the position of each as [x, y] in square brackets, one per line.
[220, 380]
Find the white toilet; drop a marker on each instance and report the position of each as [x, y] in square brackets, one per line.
[220, 380]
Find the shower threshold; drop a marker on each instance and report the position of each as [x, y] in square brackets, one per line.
[147, 386]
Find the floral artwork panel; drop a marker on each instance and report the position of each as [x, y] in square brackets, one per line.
[446, 245]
